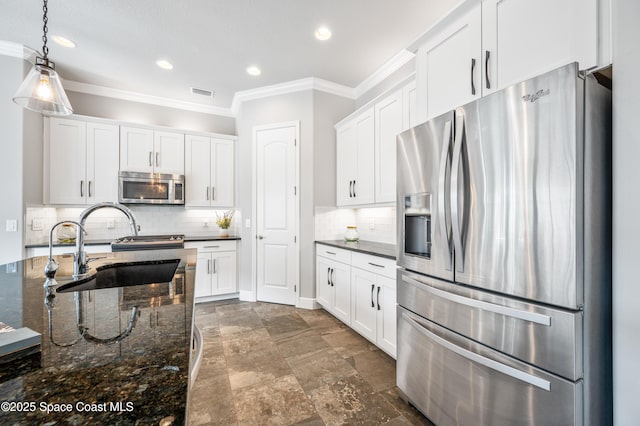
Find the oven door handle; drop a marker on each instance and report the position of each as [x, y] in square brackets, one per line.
[479, 359]
[479, 304]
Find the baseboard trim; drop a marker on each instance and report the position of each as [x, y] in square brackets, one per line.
[308, 303]
[247, 296]
[216, 298]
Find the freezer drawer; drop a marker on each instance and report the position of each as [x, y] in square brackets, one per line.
[455, 381]
[547, 337]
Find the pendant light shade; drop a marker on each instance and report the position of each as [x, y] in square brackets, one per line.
[42, 91]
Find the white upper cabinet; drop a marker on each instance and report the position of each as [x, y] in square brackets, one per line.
[524, 38]
[146, 150]
[495, 43]
[389, 122]
[449, 67]
[355, 160]
[81, 160]
[409, 106]
[209, 171]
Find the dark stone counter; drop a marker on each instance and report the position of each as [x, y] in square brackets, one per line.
[140, 377]
[367, 247]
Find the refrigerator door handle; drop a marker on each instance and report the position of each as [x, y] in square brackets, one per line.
[479, 359]
[479, 304]
[443, 207]
[455, 213]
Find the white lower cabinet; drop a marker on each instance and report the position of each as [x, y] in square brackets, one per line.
[360, 290]
[216, 274]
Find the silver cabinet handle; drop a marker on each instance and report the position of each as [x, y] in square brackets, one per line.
[207, 193]
[213, 192]
[157, 159]
[150, 159]
[330, 252]
[376, 265]
[350, 189]
[214, 266]
[378, 298]
[473, 67]
[479, 304]
[89, 188]
[373, 286]
[354, 189]
[82, 188]
[208, 266]
[329, 276]
[332, 281]
[479, 359]
[443, 185]
[487, 55]
[455, 207]
[211, 247]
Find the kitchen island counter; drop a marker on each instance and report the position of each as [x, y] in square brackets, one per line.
[110, 356]
[366, 247]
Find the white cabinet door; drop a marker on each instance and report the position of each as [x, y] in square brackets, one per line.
[364, 181]
[222, 172]
[67, 161]
[388, 123]
[363, 311]
[449, 66]
[203, 285]
[341, 285]
[168, 152]
[346, 153]
[324, 292]
[103, 149]
[224, 272]
[525, 38]
[136, 150]
[409, 105]
[198, 171]
[386, 311]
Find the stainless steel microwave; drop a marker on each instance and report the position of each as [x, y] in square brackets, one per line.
[150, 188]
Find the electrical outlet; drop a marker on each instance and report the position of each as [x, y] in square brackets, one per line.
[12, 225]
[205, 223]
[372, 224]
[111, 223]
[247, 223]
[37, 224]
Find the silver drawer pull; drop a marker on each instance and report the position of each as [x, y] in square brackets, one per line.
[376, 265]
[330, 252]
[479, 304]
[211, 247]
[479, 359]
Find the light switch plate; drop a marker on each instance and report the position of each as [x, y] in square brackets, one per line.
[111, 223]
[37, 224]
[12, 225]
[247, 223]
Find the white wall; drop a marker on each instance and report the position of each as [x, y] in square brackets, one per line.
[626, 212]
[10, 158]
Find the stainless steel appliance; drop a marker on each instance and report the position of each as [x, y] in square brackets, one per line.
[148, 242]
[504, 248]
[150, 188]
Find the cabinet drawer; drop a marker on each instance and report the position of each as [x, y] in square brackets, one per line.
[211, 246]
[339, 255]
[375, 264]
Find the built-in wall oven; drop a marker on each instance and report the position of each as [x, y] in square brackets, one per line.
[150, 188]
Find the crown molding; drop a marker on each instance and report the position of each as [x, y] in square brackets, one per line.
[388, 68]
[91, 89]
[17, 50]
[310, 83]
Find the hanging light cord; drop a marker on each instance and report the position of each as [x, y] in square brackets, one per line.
[45, 49]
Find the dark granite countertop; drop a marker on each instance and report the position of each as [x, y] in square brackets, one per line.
[187, 238]
[87, 362]
[368, 247]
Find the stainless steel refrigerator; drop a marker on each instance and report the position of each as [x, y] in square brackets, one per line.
[504, 255]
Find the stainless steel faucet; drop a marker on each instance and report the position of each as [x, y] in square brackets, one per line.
[52, 266]
[80, 263]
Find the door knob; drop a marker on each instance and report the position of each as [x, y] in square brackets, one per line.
[260, 237]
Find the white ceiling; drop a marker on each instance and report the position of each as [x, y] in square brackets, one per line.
[212, 42]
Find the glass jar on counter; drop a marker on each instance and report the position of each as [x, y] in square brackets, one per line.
[66, 233]
[352, 234]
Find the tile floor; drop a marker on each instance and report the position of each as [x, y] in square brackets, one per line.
[274, 364]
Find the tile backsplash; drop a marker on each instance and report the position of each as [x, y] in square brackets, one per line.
[151, 219]
[376, 224]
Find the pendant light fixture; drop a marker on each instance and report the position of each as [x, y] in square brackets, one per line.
[41, 90]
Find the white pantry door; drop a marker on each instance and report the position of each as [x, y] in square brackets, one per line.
[276, 213]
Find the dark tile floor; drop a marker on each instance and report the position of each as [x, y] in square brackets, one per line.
[274, 364]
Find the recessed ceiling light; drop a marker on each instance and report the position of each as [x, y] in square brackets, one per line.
[165, 65]
[63, 41]
[253, 70]
[323, 33]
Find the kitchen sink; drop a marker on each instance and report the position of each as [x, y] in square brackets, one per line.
[124, 275]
